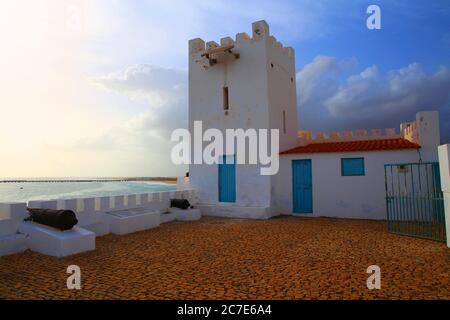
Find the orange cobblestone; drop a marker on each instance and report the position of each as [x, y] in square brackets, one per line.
[214, 258]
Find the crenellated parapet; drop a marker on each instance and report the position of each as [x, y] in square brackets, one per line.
[211, 50]
[424, 131]
[289, 51]
[358, 135]
[409, 131]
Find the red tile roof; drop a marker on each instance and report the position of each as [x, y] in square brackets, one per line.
[351, 146]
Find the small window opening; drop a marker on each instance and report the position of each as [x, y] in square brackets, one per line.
[271, 65]
[226, 105]
[292, 79]
[284, 121]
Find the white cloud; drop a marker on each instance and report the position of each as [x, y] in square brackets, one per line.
[370, 98]
[331, 96]
[319, 76]
[164, 89]
[365, 99]
[145, 137]
[372, 95]
[158, 31]
[159, 86]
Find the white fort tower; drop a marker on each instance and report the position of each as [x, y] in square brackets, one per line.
[244, 83]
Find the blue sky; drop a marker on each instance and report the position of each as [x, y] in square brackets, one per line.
[114, 85]
[412, 31]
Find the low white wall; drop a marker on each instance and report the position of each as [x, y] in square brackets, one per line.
[89, 211]
[11, 214]
[444, 168]
[340, 196]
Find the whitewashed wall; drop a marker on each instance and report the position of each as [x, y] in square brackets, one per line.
[426, 133]
[11, 214]
[444, 167]
[89, 211]
[246, 79]
[341, 196]
[258, 93]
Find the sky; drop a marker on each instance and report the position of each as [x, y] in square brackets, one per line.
[95, 87]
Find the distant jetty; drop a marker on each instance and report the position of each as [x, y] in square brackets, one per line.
[148, 179]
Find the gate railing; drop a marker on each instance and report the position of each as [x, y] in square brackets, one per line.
[414, 200]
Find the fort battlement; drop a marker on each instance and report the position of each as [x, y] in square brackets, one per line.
[409, 131]
[424, 130]
[260, 31]
[361, 134]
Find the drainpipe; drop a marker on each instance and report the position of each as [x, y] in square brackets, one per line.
[444, 168]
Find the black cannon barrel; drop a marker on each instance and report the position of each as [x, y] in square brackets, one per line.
[180, 203]
[59, 219]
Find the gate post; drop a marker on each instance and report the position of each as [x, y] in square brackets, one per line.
[444, 167]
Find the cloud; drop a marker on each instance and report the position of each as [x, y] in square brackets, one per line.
[332, 95]
[145, 137]
[317, 79]
[160, 30]
[332, 99]
[159, 86]
[164, 89]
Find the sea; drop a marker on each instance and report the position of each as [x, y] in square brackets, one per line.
[25, 191]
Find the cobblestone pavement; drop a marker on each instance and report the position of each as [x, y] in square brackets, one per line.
[280, 258]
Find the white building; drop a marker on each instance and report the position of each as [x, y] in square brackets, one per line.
[249, 82]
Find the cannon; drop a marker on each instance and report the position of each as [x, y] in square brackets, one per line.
[179, 203]
[59, 219]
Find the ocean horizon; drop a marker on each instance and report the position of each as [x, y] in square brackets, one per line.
[26, 191]
[55, 178]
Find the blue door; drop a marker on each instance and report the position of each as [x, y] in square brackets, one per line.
[227, 179]
[302, 186]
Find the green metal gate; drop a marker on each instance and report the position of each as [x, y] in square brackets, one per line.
[414, 200]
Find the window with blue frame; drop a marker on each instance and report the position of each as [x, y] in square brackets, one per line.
[352, 167]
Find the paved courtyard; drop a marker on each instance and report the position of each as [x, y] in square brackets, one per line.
[281, 258]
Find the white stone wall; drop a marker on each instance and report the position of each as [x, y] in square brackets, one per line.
[261, 84]
[444, 168]
[282, 92]
[89, 212]
[334, 195]
[11, 215]
[258, 94]
[425, 132]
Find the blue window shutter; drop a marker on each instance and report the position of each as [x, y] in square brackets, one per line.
[352, 167]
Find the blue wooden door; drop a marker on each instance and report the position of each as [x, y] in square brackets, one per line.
[227, 179]
[302, 186]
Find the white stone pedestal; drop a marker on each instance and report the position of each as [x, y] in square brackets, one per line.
[57, 243]
[132, 220]
[187, 214]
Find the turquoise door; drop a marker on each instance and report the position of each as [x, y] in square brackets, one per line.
[227, 179]
[302, 186]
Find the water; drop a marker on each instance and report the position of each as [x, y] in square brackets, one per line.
[57, 190]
